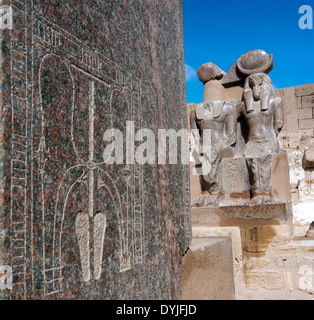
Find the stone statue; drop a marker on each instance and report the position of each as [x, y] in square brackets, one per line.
[245, 118]
[219, 117]
[264, 116]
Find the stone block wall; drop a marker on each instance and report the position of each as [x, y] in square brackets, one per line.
[305, 107]
[296, 137]
[298, 108]
[275, 265]
[269, 263]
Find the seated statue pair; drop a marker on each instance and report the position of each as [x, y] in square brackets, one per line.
[247, 129]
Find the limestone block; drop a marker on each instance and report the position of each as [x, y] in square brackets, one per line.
[306, 113]
[292, 261]
[304, 90]
[287, 247]
[207, 270]
[259, 238]
[270, 280]
[306, 124]
[231, 232]
[299, 102]
[305, 281]
[308, 102]
[252, 263]
[308, 159]
[289, 109]
[307, 246]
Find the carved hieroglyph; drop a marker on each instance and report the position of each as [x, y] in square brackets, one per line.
[62, 158]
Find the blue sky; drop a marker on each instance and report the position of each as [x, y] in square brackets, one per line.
[220, 31]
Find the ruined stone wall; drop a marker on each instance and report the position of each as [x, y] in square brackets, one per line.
[273, 259]
[296, 137]
[269, 263]
[298, 108]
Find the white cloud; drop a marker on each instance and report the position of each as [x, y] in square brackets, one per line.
[190, 73]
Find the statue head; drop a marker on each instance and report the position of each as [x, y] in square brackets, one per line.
[258, 87]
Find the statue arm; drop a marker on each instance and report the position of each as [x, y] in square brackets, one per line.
[278, 117]
[195, 132]
[240, 109]
[231, 125]
[193, 123]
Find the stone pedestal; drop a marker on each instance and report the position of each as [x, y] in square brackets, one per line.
[234, 200]
[208, 270]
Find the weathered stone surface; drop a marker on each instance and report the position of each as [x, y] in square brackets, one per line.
[304, 90]
[268, 280]
[209, 71]
[205, 201]
[298, 101]
[308, 159]
[230, 232]
[233, 76]
[245, 210]
[306, 113]
[208, 270]
[308, 102]
[235, 178]
[263, 113]
[255, 61]
[287, 247]
[215, 217]
[72, 226]
[214, 90]
[288, 96]
[270, 267]
[218, 118]
[292, 261]
[306, 124]
[258, 239]
[252, 263]
[259, 211]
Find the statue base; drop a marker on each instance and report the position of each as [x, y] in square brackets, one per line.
[235, 199]
[245, 209]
